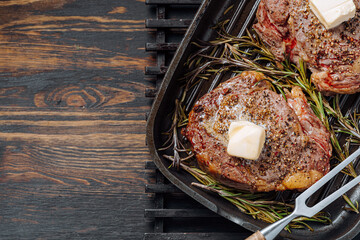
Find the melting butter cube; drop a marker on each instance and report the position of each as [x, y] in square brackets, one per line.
[246, 140]
[332, 13]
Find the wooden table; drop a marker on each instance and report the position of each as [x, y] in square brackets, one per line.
[72, 119]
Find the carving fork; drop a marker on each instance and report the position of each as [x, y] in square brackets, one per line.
[301, 209]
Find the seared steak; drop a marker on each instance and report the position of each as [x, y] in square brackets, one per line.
[291, 29]
[297, 147]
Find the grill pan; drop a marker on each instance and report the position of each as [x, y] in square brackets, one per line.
[345, 224]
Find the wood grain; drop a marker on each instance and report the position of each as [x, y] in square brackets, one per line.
[72, 119]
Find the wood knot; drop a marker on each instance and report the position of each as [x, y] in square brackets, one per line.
[83, 96]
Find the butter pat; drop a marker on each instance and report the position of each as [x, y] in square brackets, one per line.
[332, 13]
[246, 140]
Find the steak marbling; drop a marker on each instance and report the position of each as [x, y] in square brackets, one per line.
[290, 28]
[297, 148]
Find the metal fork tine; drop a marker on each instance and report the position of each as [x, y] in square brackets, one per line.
[329, 176]
[321, 205]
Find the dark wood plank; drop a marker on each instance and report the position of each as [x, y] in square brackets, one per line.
[85, 214]
[72, 119]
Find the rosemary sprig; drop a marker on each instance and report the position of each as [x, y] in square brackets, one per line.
[253, 203]
[173, 141]
[353, 207]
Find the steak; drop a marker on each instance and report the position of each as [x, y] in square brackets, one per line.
[292, 30]
[297, 148]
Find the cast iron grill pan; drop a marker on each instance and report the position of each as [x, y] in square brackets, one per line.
[345, 225]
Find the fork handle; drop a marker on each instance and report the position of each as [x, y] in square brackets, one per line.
[271, 231]
[256, 236]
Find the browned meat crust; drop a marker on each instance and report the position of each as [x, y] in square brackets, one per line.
[290, 28]
[297, 147]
